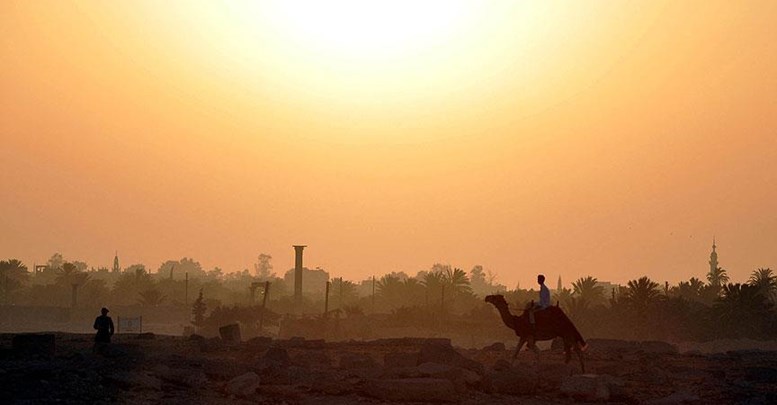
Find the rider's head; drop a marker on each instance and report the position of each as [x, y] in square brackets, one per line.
[540, 278]
[104, 311]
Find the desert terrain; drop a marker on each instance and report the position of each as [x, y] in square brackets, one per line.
[148, 368]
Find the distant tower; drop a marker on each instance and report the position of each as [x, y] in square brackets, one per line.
[298, 276]
[116, 267]
[558, 286]
[713, 258]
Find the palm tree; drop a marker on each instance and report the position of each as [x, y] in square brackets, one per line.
[766, 282]
[14, 274]
[389, 288]
[563, 297]
[345, 291]
[456, 281]
[66, 273]
[717, 277]
[588, 289]
[641, 294]
[691, 289]
[433, 281]
[151, 298]
[577, 307]
[743, 309]
[413, 291]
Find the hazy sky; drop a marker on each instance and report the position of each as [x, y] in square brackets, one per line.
[574, 138]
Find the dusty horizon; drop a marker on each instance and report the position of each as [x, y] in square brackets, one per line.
[612, 140]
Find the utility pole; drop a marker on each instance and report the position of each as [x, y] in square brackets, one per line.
[326, 300]
[442, 299]
[75, 295]
[252, 289]
[264, 303]
[373, 294]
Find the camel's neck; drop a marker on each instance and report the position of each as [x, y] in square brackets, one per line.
[507, 317]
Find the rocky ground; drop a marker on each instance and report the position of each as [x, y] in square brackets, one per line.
[165, 369]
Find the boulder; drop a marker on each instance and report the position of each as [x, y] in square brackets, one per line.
[496, 347]
[230, 333]
[411, 390]
[514, 381]
[244, 385]
[273, 367]
[440, 351]
[501, 365]
[184, 377]
[763, 375]
[588, 387]
[211, 345]
[34, 344]
[293, 342]
[350, 361]
[553, 373]
[219, 369]
[611, 345]
[314, 344]
[134, 381]
[401, 372]
[657, 347]
[677, 398]
[112, 350]
[400, 359]
[332, 387]
[258, 343]
[313, 359]
[277, 355]
[626, 346]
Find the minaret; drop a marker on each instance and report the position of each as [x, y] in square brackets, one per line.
[116, 267]
[713, 258]
[558, 286]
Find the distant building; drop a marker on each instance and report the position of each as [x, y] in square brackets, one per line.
[116, 267]
[608, 288]
[713, 258]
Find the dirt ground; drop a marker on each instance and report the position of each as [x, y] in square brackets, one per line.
[165, 369]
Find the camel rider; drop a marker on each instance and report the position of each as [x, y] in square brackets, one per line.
[544, 303]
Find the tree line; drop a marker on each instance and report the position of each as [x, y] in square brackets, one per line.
[690, 310]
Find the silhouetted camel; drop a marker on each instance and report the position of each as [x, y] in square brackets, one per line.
[549, 322]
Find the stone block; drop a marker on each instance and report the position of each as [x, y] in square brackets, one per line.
[36, 344]
[411, 390]
[514, 381]
[399, 359]
[244, 385]
[356, 360]
[230, 333]
[496, 347]
[588, 387]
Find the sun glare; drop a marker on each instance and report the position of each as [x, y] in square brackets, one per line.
[360, 29]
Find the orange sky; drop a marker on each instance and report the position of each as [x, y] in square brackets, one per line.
[603, 138]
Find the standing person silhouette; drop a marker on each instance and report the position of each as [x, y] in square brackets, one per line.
[104, 326]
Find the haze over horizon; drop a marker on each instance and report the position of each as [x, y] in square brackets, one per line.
[605, 139]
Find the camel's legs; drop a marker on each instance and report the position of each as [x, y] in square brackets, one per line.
[521, 342]
[580, 356]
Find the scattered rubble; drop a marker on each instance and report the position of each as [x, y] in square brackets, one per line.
[196, 369]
